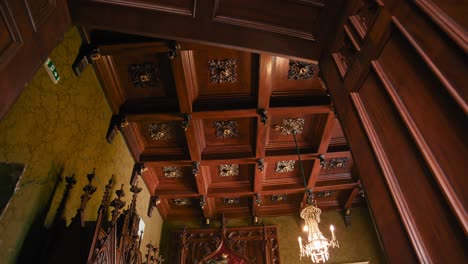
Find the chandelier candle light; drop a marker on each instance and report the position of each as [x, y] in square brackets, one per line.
[316, 245]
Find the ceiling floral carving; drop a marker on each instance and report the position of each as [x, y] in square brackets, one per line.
[222, 71]
[226, 170]
[285, 166]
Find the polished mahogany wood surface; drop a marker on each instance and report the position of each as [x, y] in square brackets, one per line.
[225, 130]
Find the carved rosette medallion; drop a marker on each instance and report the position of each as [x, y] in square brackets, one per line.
[144, 75]
[226, 129]
[226, 170]
[222, 71]
[290, 125]
[160, 131]
[231, 201]
[172, 172]
[279, 197]
[337, 163]
[326, 194]
[299, 70]
[186, 202]
[285, 166]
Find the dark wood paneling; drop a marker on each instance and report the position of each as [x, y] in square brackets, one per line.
[39, 11]
[179, 7]
[10, 39]
[406, 89]
[29, 30]
[253, 14]
[287, 26]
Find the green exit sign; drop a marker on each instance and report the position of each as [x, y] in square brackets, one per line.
[52, 70]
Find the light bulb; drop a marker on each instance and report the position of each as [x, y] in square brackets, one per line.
[332, 228]
[305, 228]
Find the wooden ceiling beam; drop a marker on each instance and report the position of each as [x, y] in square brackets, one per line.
[302, 110]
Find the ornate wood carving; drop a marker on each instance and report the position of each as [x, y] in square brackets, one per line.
[261, 164]
[222, 71]
[279, 197]
[182, 202]
[160, 131]
[290, 125]
[144, 75]
[299, 70]
[285, 166]
[326, 194]
[336, 163]
[226, 170]
[173, 172]
[226, 129]
[232, 201]
[258, 244]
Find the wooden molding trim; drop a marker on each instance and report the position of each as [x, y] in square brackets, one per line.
[426, 58]
[453, 29]
[156, 7]
[426, 151]
[398, 196]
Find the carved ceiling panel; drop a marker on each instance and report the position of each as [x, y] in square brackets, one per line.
[214, 129]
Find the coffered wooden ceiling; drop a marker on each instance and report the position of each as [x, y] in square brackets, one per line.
[212, 128]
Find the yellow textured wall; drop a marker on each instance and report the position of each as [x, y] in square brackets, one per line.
[62, 127]
[357, 242]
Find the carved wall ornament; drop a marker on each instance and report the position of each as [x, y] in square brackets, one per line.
[299, 70]
[195, 168]
[263, 116]
[326, 194]
[336, 163]
[226, 170]
[290, 125]
[231, 201]
[261, 164]
[226, 129]
[285, 166]
[144, 75]
[222, 71]
[279, 197]
[173, 172]
[160, 131]
[186, 202]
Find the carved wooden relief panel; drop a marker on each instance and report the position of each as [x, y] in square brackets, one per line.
[255, 244]
[281, 137]
[223, 154]
[228, 135]
[294, 82]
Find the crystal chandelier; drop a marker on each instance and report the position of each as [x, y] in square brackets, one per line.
[316, 245]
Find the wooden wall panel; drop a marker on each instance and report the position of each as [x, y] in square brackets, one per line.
[10, 38]
[270, 16]
[39, 11]
[292, 28]
[407, 87]
[29, 31]
[179, 7]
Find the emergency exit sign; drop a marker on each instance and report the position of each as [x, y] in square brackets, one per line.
[52, 70]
